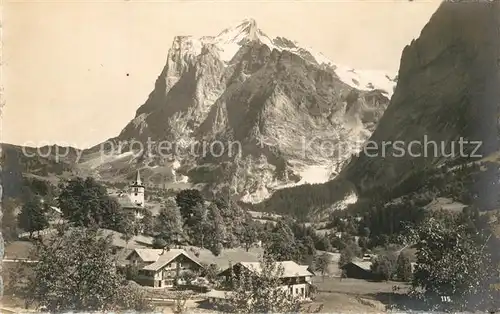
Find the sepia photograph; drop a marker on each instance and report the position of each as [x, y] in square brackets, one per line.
[267, 156]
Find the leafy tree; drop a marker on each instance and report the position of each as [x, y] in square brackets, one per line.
[322, 263]
[85, 202]
[198, 226]
[147, 223]
[281, 245]
[187, 200]
[261, 291]
[33, 216]
[309, 245]
[159, 243]
[384, 265]
[403, 268]
[76, 272]
[168, 226]
[210, 272]
[450, 262]
[215, 229]
[128, 226]
[235, 219]
[346, 256]
[325, 244]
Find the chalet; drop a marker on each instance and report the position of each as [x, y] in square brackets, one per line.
[296, 278]
[159, 268]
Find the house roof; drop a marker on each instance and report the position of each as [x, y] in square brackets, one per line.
[148, 255]
[226, 257]
[290, 268]
[363, 265]
[447, 204]
[166, 257]
[143, 239]
[307, 268]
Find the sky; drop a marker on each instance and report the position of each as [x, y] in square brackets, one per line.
[74, 72]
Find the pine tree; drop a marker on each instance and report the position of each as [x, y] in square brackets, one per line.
[215, 229]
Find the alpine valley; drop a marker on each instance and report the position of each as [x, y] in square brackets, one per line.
[269, 104]
[291, 123]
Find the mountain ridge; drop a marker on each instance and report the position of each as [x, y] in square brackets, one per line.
[243, 86]
[447, 89]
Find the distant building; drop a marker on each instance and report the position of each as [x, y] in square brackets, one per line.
[159, 268]
[445, 204]
[358, 270]
[296, 279]
[133, 201]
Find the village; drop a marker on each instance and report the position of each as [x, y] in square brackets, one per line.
[202, 280]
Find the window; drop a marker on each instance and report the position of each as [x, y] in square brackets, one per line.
[302, 291]
[296, 290]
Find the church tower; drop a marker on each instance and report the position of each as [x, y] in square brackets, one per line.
[137, 191]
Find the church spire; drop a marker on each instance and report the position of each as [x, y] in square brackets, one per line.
[138, 178]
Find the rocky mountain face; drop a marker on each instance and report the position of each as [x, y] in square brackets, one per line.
[447, 89]
[247, 112]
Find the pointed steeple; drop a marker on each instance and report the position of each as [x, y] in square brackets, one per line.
[137, 180]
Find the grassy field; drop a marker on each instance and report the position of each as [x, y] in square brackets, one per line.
[356, 286]
[356, 295]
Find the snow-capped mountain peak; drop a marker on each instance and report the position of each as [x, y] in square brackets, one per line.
[230, 40]
[246, 30]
